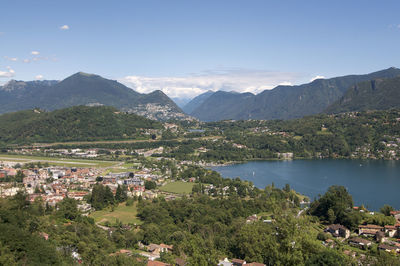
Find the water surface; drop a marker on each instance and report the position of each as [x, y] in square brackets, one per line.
[372, 183]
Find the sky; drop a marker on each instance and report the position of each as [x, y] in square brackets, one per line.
[188, 47]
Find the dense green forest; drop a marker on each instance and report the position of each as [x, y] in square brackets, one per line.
[35, 234]
[315, 136]
[75, 123]
[202, 229]
[369, 134]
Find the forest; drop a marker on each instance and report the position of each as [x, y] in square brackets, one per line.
[202, 229]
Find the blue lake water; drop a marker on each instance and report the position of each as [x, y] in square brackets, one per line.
[372, 183]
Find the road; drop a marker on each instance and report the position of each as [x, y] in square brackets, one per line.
[301, 211]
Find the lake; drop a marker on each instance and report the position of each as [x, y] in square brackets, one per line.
[372, 183]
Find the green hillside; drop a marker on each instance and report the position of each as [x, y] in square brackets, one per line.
[377, 94]
[76, 123]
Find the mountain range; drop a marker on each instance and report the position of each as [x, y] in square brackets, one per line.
[283, 102]
[196, 102]
[376, 94]
[85, 89]
[377, 90]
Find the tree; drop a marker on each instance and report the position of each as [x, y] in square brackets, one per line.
[167, 257]
[101, 196]
[287, 188]
[6, 256]
[68, 209]
[150, 185]
[328, 257]
[386, 209]
[331, 216]
[337, 199]
[19, 176]
[121, 193]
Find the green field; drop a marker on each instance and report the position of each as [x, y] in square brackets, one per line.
[56, 161]
[178, 187]
[125, 214]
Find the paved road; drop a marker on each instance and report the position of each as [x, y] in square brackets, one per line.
[301, 211]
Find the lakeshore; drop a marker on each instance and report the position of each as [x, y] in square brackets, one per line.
[371, 182]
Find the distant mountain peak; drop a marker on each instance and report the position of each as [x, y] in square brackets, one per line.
[196, 101]
[14, 85]
[85, 74]
[85, 89]
[282, 102]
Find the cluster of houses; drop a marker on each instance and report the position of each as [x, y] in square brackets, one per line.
[390, 151]
[238, 262]
[53, 184]
[387, 237]
[153, 251]
[87, 153]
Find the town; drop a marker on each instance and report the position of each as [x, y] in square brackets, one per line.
[145, 180]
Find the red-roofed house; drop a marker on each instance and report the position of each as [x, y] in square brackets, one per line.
[238, 262]
[369, 229]
[338, 230]
[395, 214]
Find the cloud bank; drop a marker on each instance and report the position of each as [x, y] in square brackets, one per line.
[13, 59]
[317, 77]
[233, 79]
[7, 74]
[64, 27]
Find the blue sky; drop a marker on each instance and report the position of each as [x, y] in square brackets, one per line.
[187, 47]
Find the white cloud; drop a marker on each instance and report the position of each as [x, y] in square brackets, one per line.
[316, 77]
[14, 59]
[233, 79]
[39, 77]
[286, 83]
[7, 74]
[64, 27]
[39, 58]
[35, 53]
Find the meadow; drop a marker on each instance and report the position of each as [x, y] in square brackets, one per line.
[178, 187]
[57, 161]
[122, 213]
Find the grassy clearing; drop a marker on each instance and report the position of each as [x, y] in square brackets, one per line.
[178, 187]
[130, 165]
[56, 161]
[125, 214]
[74, 143]
[116, 170]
